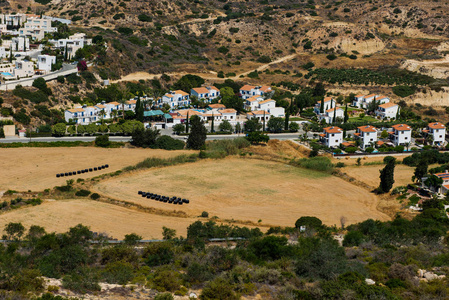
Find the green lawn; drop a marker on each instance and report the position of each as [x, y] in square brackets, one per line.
[296, 119]
[364, 119]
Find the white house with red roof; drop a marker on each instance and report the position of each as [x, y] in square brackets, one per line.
[130, 105]
[328, 115]
[444, 189]
[252, 103]
[387, 111]
[328, 102]
[257, 103]
[367, 135]
[437, 131]
[205, 92]
[401, 134]
[229, 114]
[174, 99]
[217, 106]
[248, 91]
[74, 114]
[362, 101]
[332, 136]
[258, 114]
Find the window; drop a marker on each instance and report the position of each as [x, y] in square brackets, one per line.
[406, 138]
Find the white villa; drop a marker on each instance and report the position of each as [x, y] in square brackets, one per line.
[367, 135]
[438, 133]
[175, 99]
[328, 102]
[44, 62]
[20, 43]
[247, 91]
[205, 92]
[328, 115]
[72, 44]
[401, 134]
[444, 187]
[258, 114]
[256, 103]
[362, 101]
[252, 103]
[217, 114]
[36, 28]
[387, 111]
[91, 114]
[332, 137]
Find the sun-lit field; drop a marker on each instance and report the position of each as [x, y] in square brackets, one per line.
[245, 189]
[35, 169]
[116, 221]
[369, 174]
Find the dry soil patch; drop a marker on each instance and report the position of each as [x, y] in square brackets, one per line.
[248, 189]
[35, 168]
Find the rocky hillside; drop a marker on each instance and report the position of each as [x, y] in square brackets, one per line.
[282, 39]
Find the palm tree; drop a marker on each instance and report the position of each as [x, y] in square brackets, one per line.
[114, 114]
[124, 97]
[102, 115]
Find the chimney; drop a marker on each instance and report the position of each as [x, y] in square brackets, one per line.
[445, 171]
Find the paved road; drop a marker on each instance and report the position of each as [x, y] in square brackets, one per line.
[280, 136]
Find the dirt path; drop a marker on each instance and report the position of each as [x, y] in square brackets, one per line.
[211, 76]
[193, 21]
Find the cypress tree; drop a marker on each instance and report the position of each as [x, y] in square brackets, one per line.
[212, 124]
[322, 106]
[287, 117]
[10, 54]
[139, 110]
[335, 115]
[198, 134]
[387, 175]
[346, 116]
[263, 128]
[421, 169]
[187, 123]
[65, 53]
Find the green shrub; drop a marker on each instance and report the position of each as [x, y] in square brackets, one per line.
[82, 193]
[219, 288]
[351, 149]
[102, 141]
[403, 91]
[164, 296]
[118, 272]
[95, 196]
[315, 163]
[168, 143]
[312, 222]
[353, 238]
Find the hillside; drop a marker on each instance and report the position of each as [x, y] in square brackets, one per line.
[221, 39]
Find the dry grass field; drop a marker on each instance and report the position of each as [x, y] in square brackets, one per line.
[369, 174]
[248, 189]
[35, 168]
[59, 216]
